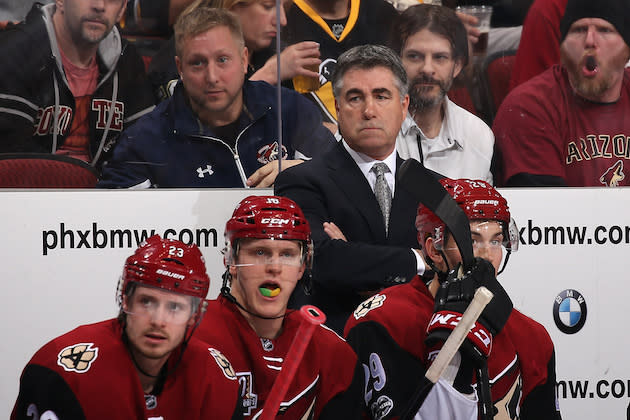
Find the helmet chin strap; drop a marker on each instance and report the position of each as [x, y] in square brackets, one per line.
[226, 292]
[508, 252]
[441, 275]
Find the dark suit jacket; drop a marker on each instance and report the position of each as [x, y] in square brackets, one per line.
[332, 188]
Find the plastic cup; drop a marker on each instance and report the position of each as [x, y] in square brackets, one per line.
[305, 84]
[483, 14]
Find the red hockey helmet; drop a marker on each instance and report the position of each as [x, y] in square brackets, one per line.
[479, 200]
[167, 264]
[267, 217]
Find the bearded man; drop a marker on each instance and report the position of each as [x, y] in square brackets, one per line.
[432, 43]
[569, 125]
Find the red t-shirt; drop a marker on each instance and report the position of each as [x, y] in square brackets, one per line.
[544, 128]
[82, 82]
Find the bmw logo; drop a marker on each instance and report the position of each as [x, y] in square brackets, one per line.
[569, 311]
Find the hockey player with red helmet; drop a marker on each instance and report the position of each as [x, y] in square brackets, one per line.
[144, 364]
[268, 254]
[398, 332]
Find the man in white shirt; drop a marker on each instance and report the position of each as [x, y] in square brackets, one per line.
[433, 46]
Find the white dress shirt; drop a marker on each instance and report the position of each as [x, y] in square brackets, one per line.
[365, 163]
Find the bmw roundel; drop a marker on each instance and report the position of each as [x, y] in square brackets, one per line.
[569, 311]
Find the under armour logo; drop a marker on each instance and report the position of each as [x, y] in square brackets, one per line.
[201, 171]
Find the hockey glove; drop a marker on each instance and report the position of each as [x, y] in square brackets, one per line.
[452, 299]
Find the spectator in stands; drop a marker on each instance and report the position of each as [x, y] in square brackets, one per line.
[69, 83]
[363, 243]
[337, 25]
[432, 44]
[540, 41]
[217, 130]
[258, 20]
[568, 126]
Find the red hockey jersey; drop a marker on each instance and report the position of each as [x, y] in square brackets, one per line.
[320, 383]
[88, 374]
[388, 331]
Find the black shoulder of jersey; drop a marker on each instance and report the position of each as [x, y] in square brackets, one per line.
[45, 390]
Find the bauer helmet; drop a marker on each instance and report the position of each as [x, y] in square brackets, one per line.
[479, 200]
[166, 264]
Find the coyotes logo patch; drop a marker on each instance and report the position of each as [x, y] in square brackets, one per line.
[366, 306]
[77, 357]
[223, 363]
[270, 152]
[613, 175]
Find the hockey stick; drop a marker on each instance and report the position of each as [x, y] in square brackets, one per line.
[423, 185]
[450, 347]
[311, 318]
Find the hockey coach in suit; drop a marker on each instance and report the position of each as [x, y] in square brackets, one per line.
[362, 224]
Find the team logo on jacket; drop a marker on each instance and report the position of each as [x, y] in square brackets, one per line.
[269, 152]
[77, 357]
[569, 311]
[367, 305]
[613, 175]
[223, 363]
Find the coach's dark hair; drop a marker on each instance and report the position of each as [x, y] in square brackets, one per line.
[437, 19]
[367, 57]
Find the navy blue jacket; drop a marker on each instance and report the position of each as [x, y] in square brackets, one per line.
[171, 148]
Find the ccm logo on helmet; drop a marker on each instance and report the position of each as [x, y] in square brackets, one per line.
[275, 220]
[491, 202]
[169, 274]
